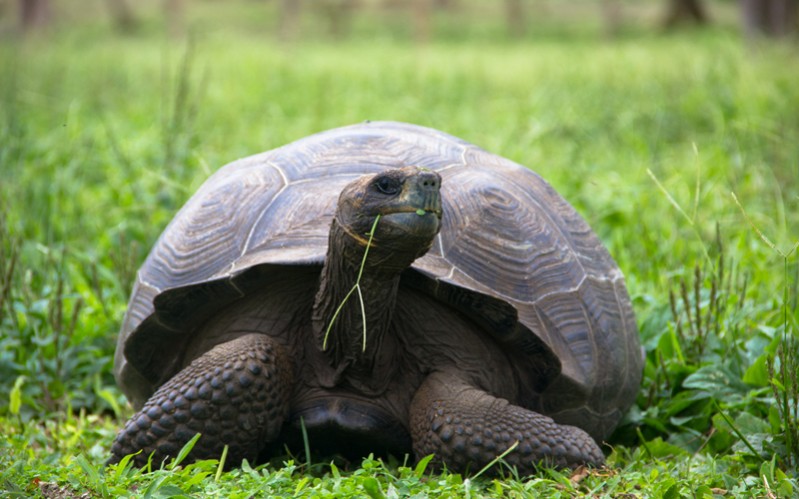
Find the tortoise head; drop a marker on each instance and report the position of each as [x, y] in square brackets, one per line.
[408, 203]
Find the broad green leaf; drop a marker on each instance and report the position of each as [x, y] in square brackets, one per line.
[717, 381]
[683, 400]
[785, 485]
[172, 491]
[372, 487]
[196, 478]
[775, 418]
[15, 397]
[669, 347]
[153, 487]
[661, 449]
[301, 484]
[111, 400]
[670, 489]
[757, 373]
[750, 424]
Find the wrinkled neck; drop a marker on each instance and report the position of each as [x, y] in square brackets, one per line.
[338, 313]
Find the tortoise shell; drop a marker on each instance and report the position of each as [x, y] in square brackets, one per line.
[512, 254]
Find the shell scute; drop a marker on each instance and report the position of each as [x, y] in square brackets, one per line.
[206, 234]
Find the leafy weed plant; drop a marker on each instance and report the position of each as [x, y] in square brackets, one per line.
[783, 360]
[711, 384]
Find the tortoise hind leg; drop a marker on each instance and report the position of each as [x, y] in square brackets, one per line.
[236, 394]
[466, 427]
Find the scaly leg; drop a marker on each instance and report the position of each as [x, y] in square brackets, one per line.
[466, 428]
[236, 394]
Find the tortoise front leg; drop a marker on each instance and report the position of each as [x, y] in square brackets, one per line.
[467, 428]
[236, 394]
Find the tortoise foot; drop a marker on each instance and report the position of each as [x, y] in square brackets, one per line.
[466, 429]
[236, 394]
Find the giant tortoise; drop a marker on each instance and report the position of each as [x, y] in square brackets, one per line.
[385, 288]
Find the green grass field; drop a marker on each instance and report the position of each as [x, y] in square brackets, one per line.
[681, 150]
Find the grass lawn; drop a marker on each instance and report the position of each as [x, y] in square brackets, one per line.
[681, 150]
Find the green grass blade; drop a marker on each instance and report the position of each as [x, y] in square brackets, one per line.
[497, 459]
[184, 451]
[355, 288]
[221, 467]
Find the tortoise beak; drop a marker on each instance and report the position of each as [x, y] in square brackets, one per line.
[422, 194]
[428, 188]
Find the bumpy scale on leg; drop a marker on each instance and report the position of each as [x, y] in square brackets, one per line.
[466, 428]
[236, 394]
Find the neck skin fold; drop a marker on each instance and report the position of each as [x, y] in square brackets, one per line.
[378, 286]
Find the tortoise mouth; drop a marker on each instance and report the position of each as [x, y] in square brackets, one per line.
[409, 225]
[421, 216]
[426, 210]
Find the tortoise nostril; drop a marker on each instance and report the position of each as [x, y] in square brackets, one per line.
[430, 181]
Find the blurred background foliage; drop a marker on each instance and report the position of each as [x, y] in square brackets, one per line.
[421, 20]
[645, 115]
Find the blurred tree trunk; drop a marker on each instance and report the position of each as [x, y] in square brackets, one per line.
[422, 11]
[514, 13]
[289, 19]
[612, 15]
[339, 16]
[685, 11]
[34, 14]
[175, 15]
[769, 17]
[122, 15]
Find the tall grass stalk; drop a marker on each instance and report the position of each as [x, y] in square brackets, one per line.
[9, 256]
[691, 220]
[783, 364]
[356, 288]
[180, 107]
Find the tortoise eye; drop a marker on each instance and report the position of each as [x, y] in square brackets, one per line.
[388, 185]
